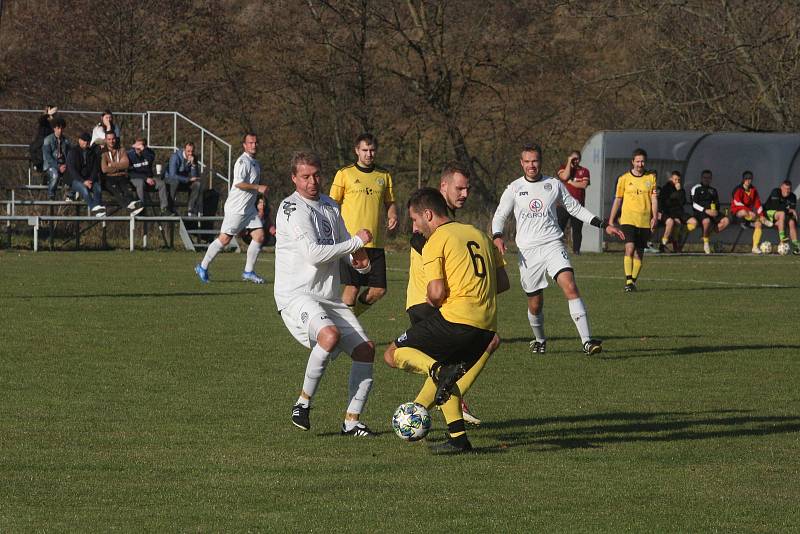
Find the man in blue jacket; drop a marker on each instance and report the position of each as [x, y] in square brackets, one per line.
[184, 172]
[141, 173]
[54, 154]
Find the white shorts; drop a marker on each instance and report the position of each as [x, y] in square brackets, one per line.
[305, 317]
[233, 223]
[534, 263]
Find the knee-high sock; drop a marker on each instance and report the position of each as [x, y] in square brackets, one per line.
[252, 255]
[213, 249]
[453, 415]
[427, 393]
[627, 264]
[466, 381]
[537, 325]
[359, 385]
[636, 268]
[690, 227]
[578, 312]
[756, 237]
[317, 361]
[412, 360]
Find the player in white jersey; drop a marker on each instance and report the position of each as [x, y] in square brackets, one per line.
[311, 238]
[532, 199]
[240, 213]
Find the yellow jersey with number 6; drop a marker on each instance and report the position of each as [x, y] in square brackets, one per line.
[465, 258]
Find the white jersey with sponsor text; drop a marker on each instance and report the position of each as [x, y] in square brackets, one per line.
[310, 239]
[246, 170]
[533, 204]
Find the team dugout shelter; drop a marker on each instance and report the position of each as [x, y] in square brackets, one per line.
[772, 157]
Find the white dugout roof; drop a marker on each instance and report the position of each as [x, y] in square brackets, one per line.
[772, 157]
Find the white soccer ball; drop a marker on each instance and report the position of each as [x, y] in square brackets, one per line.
[784, 248]
[411, 421]
[766, 247]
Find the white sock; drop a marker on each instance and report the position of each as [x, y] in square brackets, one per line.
[317, 361]
[252, 256]
[305, 403]
[359, 385]
[213, 249]
[350, 424]
[578, 312]
[537, 325]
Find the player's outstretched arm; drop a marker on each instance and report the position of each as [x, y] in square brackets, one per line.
[504, 209]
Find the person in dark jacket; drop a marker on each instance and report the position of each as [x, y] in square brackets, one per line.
[781, 208]
[142, 173]
[672, 202]
[83, 174]
[43, 129]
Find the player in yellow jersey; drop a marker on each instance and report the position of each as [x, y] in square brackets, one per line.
[465, 272]
[454, 187]
[636, 195]
[364, 191]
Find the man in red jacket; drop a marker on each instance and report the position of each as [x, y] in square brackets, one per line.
[746, 205]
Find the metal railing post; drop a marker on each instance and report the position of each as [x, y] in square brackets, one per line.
[132, 226]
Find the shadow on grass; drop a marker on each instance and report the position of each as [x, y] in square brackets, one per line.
[125, 295]
[573, 432]
[716, 288]
[642, 337]
[692, 350]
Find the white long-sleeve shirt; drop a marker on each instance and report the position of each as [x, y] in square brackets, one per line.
[310, 239]
[246, 170]
[534, 207]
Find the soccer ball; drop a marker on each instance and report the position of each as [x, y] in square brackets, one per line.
[766, 247]
[784, 248]
[411, 421]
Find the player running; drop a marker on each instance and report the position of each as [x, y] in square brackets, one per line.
[240, 213]
[465, 273]
[311, 239]
[532, 199]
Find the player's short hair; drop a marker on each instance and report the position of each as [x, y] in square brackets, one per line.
[706, 171]
[112, 132]
[677, 173]
[248, 134]
[188, 143]
[639, 152]
[576, 153]
[428, 198]
[59, 122]
[453, 167]
[532, 147]
[787, 182]
[747, 175]
[140, 139]
[367, 138]
[302, 157]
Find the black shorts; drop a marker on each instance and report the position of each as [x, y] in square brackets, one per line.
[376, 276]
[700, 215]
[638, 236]
[446, 342]
[678, 215]
[420, 312]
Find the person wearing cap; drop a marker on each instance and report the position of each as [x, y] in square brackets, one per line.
[746, 207]
[83, 173]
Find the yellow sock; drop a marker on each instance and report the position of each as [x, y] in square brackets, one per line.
[756, 237]
[706, 239]
[413, 360]
[627, 263]
[637, 267]
[664, 239]
[465, 382]
[452, 413]
[427, 393]
[690, 227]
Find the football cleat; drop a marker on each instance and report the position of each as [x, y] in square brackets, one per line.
[756, 250]
[202, 274]
[469, 417]
[538, 347]
[593, 346]
[360, 430]
[251, 276]
[707, 248]
[452, 446]
[445, 378]
[300, 417]
[630, 288]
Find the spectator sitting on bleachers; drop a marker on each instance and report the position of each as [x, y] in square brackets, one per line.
[54, 154]
[184, 173]
[83, 174]
[746, 208]
[672, 203]
[114, 164]
[705, 202]
[265, 214]
[43, 129]
[106, 124]
[142, 173]
[781, 208]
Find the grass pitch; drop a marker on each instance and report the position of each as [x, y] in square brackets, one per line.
[134, 398]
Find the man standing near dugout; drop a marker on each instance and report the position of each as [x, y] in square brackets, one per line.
[465, 273]
[637, 196]
[241, 213]
[532, 199]
[363, 191]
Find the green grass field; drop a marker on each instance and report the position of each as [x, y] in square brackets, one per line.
[134, 398]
